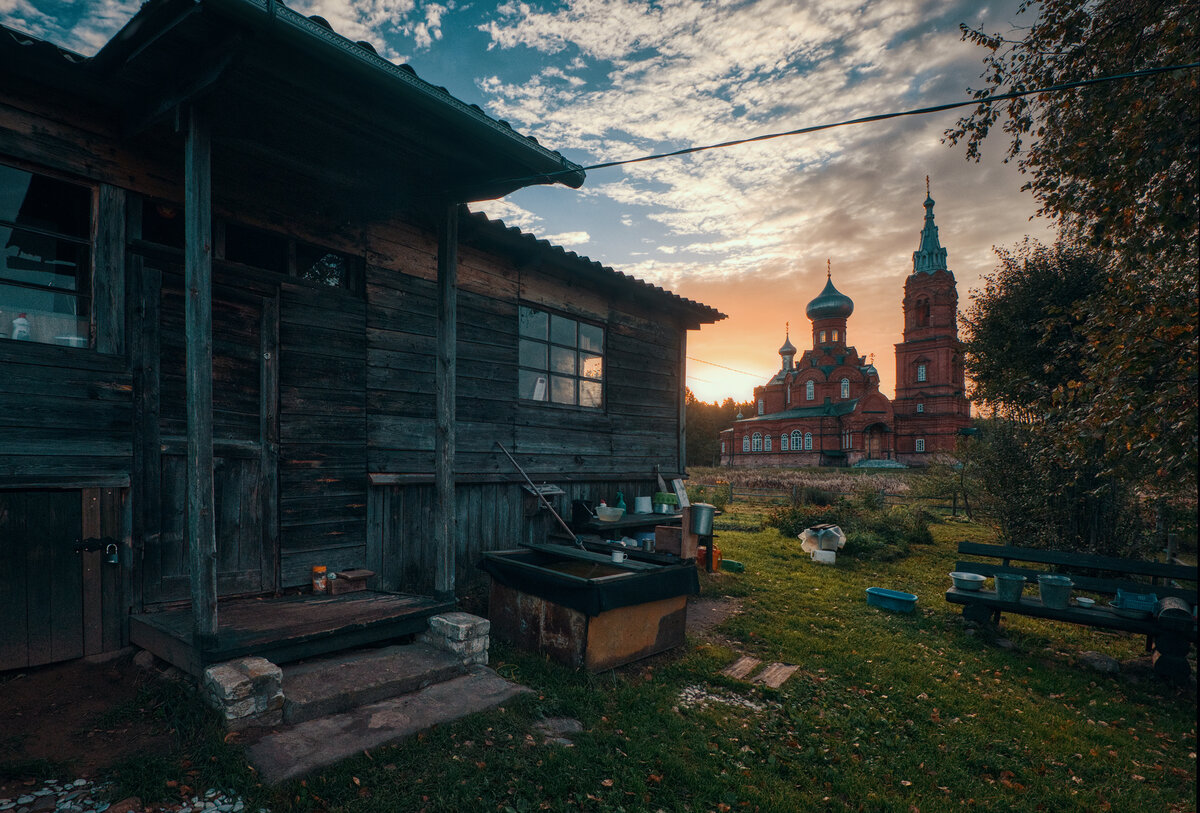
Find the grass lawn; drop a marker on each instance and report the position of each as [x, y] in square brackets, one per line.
[887, 712]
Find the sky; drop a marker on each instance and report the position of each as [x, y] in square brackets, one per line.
[748, 229]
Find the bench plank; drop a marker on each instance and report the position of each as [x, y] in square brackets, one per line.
[1032, 606]
[1084, 561]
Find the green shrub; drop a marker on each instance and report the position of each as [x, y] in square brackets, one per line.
[873, 532]
[792, 519]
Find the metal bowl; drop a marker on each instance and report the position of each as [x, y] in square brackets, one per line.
[967, 581]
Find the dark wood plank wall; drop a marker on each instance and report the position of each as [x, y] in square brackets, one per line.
[322, 431]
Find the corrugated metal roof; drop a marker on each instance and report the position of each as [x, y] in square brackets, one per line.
[581, 264]
[830, 410]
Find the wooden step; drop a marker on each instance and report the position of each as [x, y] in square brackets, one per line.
[340, 682]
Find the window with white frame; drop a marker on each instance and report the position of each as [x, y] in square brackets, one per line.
[797, 440]
[920, 407]
[561, 359]
[722, 447]
[45, 260]
[756, 442]
[745, 443]
[760, 406]
[920, 372]
[783, 442]
[822, 339]
[835, 335]
[920, 444]
[845, 388]
[810, 390]
[766, 443]
[808, 441]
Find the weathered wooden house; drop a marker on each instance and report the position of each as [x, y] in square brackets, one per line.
[247, 326]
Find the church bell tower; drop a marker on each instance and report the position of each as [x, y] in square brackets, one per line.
[931, 403]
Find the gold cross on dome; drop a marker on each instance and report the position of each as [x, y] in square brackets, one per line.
[926, 186]
[828, 269]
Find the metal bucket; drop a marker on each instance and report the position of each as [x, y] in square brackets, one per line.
[1009, 586]
[702, 518]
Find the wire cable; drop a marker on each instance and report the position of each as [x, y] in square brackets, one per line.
[723, 367]
[919, 111]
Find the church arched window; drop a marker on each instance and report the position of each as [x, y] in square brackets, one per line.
[922, 312]
[920, 372]
[810, 390]
[920, 444]
[845, 388]
[808, 441]
[756, 443]
[760, 406]
[767, 443]
[835, 335]
[797, 440]
[783, 442]
[745, 443]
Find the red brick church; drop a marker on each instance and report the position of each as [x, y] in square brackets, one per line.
[825, 408]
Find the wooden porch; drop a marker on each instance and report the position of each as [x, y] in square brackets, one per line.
[284, 629]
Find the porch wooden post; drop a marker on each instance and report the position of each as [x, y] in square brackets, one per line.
[447, 352]
[682, 435]
[201, 530]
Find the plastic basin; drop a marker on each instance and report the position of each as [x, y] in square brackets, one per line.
[895, 600]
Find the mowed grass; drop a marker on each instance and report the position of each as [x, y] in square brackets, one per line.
[887, 712]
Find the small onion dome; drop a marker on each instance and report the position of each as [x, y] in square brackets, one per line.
[787, 349]
[831, 303]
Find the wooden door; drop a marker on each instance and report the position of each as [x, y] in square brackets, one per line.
[245, 394]
[41, 584]
[874, 442]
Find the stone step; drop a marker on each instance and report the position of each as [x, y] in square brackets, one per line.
[296, 750]
[338, 683]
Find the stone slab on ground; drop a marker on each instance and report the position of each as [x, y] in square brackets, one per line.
[775, 674]
[297, 750]
[741, 668]
[325, 686]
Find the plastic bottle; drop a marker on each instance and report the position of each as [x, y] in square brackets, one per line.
[20, 327]
[620, 501]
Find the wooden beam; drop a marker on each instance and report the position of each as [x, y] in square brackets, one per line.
[446, 369]
[201, 530]
[683, 399]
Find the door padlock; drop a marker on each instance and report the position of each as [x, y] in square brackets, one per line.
[111, 555]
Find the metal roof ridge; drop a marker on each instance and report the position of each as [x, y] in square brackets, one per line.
[585, 260]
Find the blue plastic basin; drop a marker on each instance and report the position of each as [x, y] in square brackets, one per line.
[894, 600]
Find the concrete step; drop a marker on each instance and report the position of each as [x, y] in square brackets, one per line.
[324, 686]
[296, 750]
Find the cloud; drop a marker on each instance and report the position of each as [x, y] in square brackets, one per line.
[568, 239]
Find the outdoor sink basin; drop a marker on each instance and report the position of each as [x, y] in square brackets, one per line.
[967, 581]
[894, 600]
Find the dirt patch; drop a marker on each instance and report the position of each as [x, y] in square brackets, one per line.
[705, 614]
[60, 719]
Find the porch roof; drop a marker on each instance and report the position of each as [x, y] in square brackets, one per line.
[277, 82]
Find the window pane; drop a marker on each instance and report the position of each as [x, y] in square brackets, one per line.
[162, 223]
[591, 338]
[562, 390]
[41, 260]
[45, 203]
[43, 316]
[257, 248]
[562, 361]
[533, 323]
[532, 386]
[562, 330]
[322, 267]
[591, 394]
[533, 354]
[591, 366]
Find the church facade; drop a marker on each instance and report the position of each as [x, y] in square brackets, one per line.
[825, 408]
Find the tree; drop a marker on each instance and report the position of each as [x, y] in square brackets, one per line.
[1117, 166]
[1042, 475]
[704, 423]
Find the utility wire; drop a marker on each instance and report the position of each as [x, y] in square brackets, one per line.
[919, 111]
[723, 367]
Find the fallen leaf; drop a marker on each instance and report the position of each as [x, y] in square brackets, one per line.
[608, 783]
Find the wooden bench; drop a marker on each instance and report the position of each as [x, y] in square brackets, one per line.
[1170, 629]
